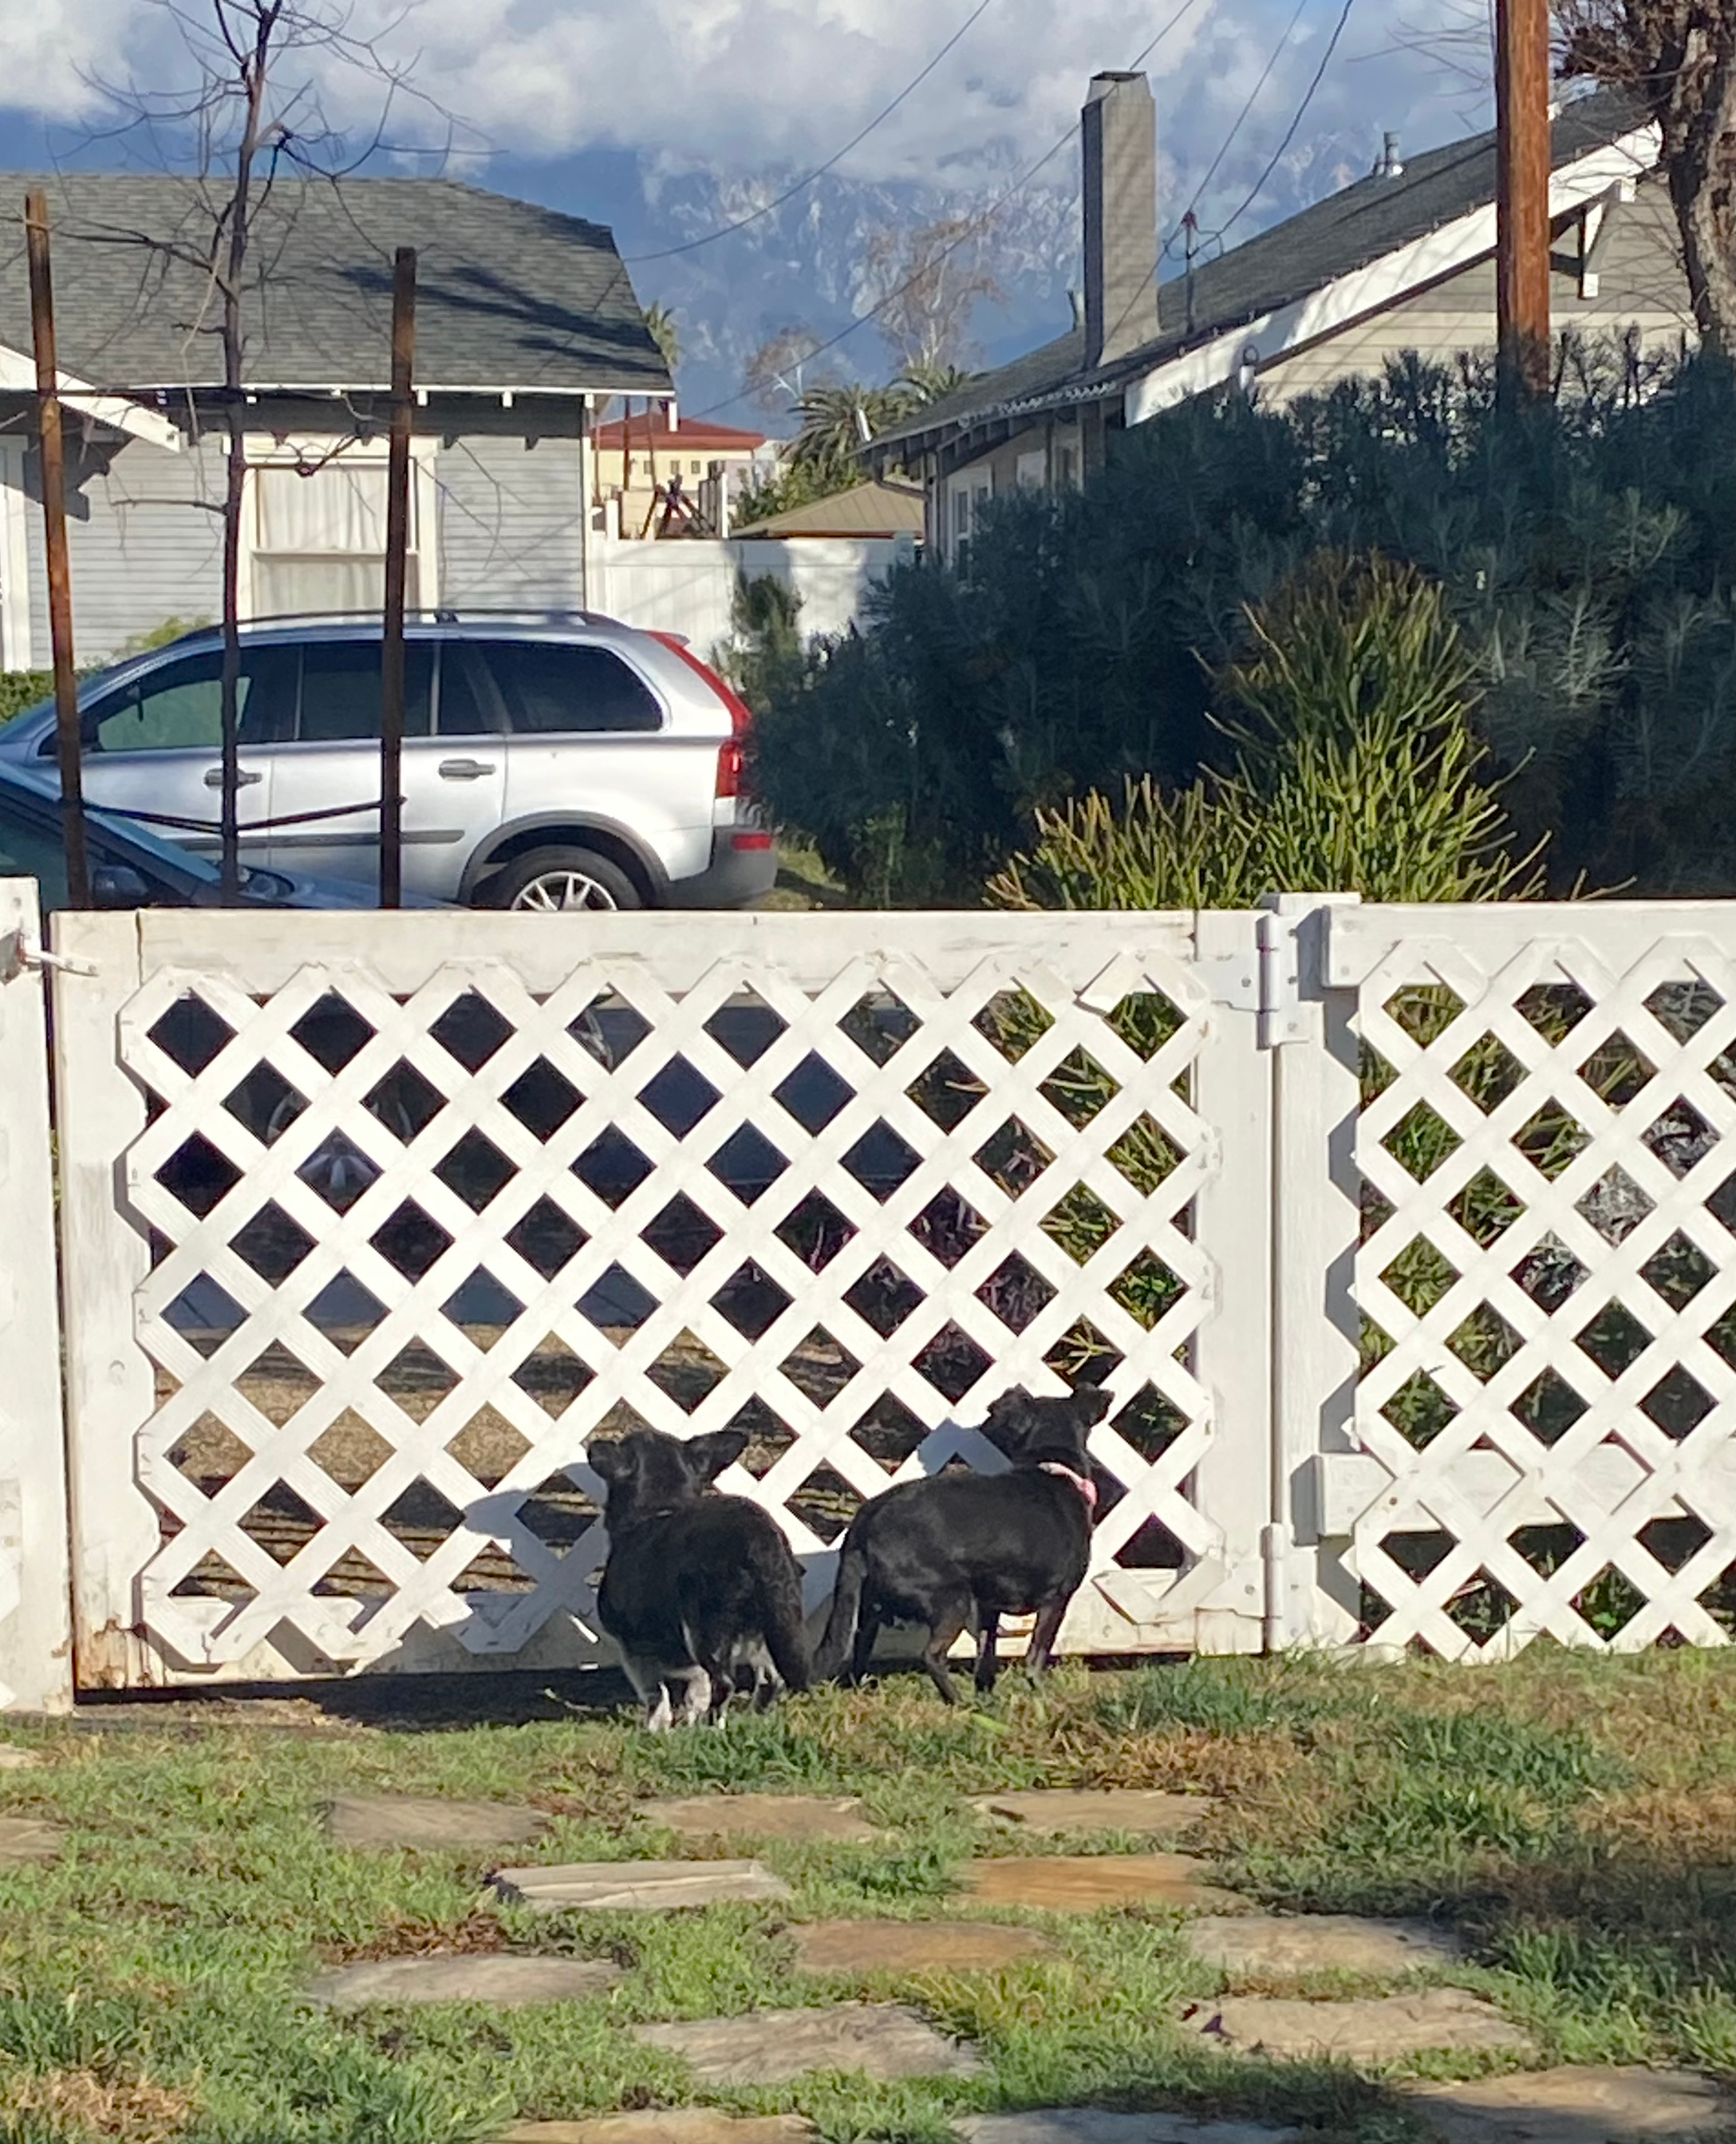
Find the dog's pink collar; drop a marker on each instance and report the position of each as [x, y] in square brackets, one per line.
[1083, 1482]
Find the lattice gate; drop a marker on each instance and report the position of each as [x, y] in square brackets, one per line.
[1546, 1410]
[370, 1222]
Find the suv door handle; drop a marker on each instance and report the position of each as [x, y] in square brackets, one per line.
[464, 770]
[244, 780]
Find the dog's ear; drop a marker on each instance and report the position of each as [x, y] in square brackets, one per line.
[610, 1459]
[1008, 1421]
[707, 1456]
[1091, 1403]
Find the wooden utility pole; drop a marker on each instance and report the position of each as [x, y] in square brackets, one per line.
[1522, 154]
[60, 573]
[398, 532]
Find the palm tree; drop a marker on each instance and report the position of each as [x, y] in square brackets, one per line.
[838, 422]
[926, 383]
[660, 323]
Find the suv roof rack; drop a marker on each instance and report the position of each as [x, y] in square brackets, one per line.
[439, 614]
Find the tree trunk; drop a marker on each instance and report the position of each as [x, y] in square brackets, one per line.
[230, 812]
[1700, 154]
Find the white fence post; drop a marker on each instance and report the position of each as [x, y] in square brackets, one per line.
[36, 1654]
[111, 1386]
[1311, 1033]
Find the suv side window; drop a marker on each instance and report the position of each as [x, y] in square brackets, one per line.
[180, 706]
[554, 688]
[340, 691]
[465, 706]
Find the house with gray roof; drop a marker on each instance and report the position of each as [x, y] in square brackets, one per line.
[1401, 260]
[527, 325]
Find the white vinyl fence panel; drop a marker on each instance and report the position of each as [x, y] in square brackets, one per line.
[411, 1207]
[688, 587]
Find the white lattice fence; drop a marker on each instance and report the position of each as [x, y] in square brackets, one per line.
[1548, 1430]
[410, 1206]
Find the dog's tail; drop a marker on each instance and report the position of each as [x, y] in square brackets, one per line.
[786, 1636]
[840, 1625]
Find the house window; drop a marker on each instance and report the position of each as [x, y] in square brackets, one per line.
[1065, 478]
[961, 515]
[1029, 471]
[318, 530]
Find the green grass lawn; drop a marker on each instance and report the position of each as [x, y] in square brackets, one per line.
[1576, 1818]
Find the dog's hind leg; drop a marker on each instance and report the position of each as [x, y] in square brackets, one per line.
[1046, 1630]
[869, 1619]
[697, 1696]
[949, 1620]
[987, 1665]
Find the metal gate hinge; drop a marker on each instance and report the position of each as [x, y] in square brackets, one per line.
[1265, 979]
[20, 953]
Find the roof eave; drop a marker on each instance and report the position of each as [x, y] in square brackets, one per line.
[1274, 333]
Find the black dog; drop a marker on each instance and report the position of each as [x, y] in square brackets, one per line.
[1007, 1544]
[694, 1586]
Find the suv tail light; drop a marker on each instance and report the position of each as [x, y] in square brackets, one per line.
[729, 757]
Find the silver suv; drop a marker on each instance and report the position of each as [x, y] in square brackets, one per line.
[551, 763]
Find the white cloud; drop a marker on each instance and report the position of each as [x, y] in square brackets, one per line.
[740, 86]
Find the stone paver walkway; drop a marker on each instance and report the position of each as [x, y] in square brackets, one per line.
[1279, 1946]
[1086, 1883]
[1088, 2124]
[402, 1821]
[666, 2125]
[1576, 2106]
[646, 1886]
[796, 1817]
[915, 1946]
[15, 1760]
[881, 2040]
[1145, 1811]
[504, 1982]
[1387, 2029]
[24, 1839]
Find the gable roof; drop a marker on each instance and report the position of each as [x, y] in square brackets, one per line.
[864, 510]
[508, 295]
[1361, 224]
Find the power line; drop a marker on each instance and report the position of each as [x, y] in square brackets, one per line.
[819, 170]
[975, 225]
[1326, 60]
[1241, 120]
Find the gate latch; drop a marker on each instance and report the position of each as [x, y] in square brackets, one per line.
[20, 953]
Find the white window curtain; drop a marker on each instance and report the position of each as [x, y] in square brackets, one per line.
[320, 538]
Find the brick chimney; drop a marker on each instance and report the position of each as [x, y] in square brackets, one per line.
[1118, 127]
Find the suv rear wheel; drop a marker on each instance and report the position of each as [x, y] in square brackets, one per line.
[555, 881]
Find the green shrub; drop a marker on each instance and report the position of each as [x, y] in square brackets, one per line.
[1353, 768]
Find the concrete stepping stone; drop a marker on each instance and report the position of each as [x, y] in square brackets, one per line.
[769, 2046]
[26, 1839]
[1147, 1812]
[1575, 2107]
[439, 1826]
[1386, 2029]
[572, 1887]
[915, 1946]
[15, 1760]
[1090, 2125]
[796, 1817]
[1284, 1944]
[1087, 1883]
[503, 1982]
[668, 2125]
